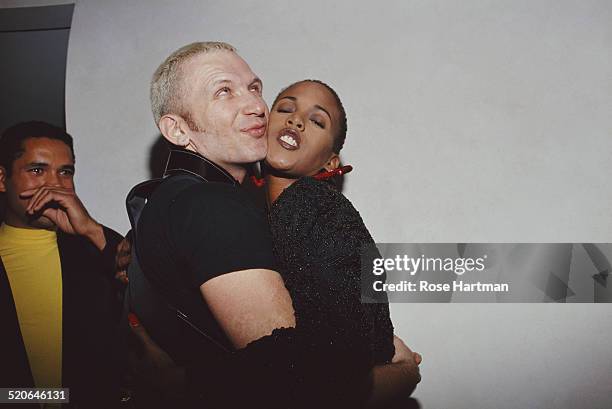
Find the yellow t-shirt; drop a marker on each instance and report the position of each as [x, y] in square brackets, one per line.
[32, 263]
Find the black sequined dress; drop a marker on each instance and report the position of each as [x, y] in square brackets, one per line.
[318, 236]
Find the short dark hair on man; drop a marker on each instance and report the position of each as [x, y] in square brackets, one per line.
[340, 136]
[12, 140]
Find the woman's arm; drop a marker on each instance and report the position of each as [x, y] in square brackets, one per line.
[395, 382]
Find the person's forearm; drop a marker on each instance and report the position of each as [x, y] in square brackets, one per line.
[392, 383]
[95, 234]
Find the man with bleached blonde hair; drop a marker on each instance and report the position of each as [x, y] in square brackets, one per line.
[203, 248]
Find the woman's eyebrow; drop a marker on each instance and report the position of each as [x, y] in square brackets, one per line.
[324, 110]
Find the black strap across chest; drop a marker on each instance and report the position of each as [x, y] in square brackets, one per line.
[180, 163]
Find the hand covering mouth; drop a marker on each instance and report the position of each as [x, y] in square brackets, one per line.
[289, 139]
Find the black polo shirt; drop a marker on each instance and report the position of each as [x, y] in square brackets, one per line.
[191, 231]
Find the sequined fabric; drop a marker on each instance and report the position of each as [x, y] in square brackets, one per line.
[318, 236]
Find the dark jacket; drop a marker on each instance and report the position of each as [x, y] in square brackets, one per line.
[91, 306]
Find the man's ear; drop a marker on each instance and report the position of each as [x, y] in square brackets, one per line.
[3, 178]
[174, 128]
[333, 162]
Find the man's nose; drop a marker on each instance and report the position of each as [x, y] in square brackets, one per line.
[255, 105]
[53, 179]
[295, 121]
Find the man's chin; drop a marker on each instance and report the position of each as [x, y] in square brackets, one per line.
[259, 149]
[254, 157]
[42, 222]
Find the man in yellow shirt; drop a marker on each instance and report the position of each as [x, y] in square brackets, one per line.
[59, 303]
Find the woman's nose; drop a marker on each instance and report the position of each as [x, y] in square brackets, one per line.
[295, 121]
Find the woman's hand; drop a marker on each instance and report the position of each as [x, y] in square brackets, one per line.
[403, 354]
[392, 384]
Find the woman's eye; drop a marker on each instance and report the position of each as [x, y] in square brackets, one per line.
[318, 123]
[256, 88]
[283, 110]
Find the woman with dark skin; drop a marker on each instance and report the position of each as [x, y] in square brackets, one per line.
[318, 237]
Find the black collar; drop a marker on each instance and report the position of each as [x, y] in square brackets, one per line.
[181, 160]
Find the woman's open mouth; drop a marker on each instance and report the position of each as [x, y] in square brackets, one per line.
[289, 139]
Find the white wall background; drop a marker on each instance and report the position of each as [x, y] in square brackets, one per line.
[472, 121]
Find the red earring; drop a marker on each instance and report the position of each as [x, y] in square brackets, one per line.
[260, 182]
[332, 173]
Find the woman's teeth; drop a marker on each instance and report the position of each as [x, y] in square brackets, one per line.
[289, 140]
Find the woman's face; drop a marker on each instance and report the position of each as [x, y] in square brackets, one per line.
[301, 130]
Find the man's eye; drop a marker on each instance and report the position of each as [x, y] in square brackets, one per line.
[67, 172]
[256, 88]
[223, 91]
[36, 171]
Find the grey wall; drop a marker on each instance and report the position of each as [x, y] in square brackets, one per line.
[473, 121]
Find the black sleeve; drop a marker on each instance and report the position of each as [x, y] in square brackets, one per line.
[292, 369]
[217, 230]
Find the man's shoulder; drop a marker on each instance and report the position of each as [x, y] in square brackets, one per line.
[199, 231]
[181, 204]
[185, 189]
[212, 191]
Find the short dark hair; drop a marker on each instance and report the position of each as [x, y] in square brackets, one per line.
[340, 136]
[13, 138]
